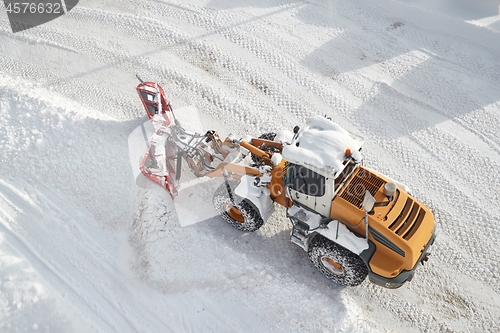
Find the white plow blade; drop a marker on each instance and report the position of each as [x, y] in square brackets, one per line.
[193, 204]
[139, 138]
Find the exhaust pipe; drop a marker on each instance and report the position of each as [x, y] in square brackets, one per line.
[390, 189]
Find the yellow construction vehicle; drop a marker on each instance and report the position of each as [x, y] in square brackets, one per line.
[352, 221]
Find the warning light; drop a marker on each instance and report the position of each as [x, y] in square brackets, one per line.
[348, 152]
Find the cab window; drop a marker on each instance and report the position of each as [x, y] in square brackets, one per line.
[306, 181]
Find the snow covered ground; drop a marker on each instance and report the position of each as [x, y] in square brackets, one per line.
[85, 249]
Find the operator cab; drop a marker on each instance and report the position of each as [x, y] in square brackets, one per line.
[320, 159]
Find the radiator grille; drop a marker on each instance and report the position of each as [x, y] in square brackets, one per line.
[363, 181]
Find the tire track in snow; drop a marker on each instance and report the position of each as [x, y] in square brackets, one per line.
[276, 52]
[38, 262]
[49, 260]
[77, 260]
[123, 61]
[473, 58]
[223, 66]
[254, 78]
[140, 27]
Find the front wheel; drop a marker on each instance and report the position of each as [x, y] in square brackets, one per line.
[237, 211]
[337, 263]
[269, 137]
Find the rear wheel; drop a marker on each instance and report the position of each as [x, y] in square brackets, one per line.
[268, 136]
[237, 211]
[337, 263]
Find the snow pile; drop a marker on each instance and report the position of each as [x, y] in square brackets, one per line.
[322, 144]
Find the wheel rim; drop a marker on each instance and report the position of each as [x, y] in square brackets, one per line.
[234, 213]
[332, 266]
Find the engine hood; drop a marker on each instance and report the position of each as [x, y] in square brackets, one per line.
[400, 229]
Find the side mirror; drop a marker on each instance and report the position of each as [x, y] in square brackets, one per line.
[368, 202]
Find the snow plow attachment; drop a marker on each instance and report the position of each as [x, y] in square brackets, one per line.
[154, 101]
[205, 153]
[160, 161]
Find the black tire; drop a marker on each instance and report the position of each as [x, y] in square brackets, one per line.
[268, 136]
[237, 211]
[337, 263]
[265, 136]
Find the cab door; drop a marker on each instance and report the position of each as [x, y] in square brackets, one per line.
[308, 188]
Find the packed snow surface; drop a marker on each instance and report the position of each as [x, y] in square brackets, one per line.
[87, 245]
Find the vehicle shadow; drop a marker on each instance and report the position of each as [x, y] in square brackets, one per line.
[269, 248]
